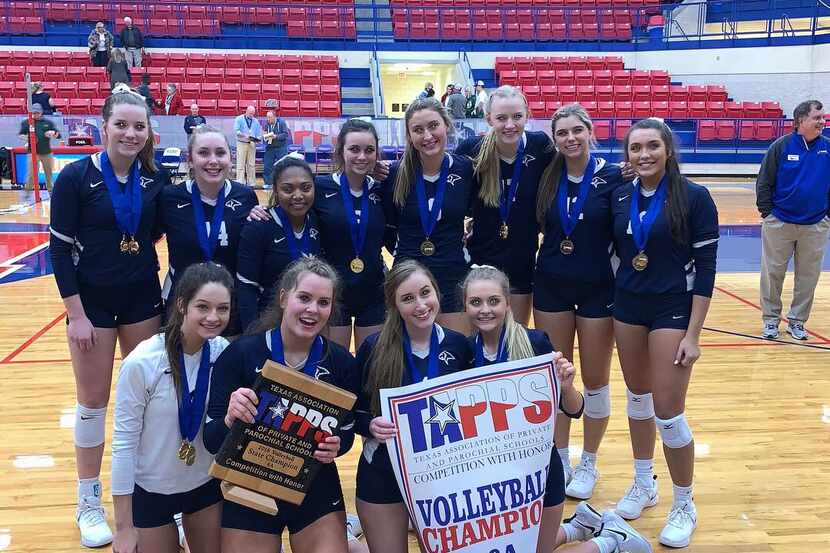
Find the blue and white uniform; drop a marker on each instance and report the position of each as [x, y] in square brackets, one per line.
[582, 281]
[405, 234]
[660, 296]
[515, 255]
[264, 253]
[116, 288]
[238, 367]
[375, 478]
[363, 299]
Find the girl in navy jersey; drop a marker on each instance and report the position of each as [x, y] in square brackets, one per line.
[409, 348]
[102, 218]
[499, 338]
[666, 235]
[352, 224]
[288, 333]
[159, 464]
[574, 292]
[426, 197]
[508, 164]
[203, 219]
[266, 247]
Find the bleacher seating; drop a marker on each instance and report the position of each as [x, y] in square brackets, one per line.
[222, 84]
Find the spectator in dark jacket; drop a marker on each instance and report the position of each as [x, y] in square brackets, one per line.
[117, 68]
[457, 104]
[40, 96]
[193, 120]
[133, 42]
[45, 130]
[144, 90]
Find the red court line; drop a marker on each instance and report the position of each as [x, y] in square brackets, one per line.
[33, 361]
[758, 307]
[31, 340]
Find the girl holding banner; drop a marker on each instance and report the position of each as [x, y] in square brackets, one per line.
[666, 235]
[426, 197]
[499, 338]
[410, 347]
[266, 247]
[574, 292]
[509, 162]
[352, 224]
[160, 467]
[287, 333]
[102, 218]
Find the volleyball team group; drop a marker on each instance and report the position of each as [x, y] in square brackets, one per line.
[627, 258]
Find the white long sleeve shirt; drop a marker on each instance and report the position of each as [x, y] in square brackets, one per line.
[146, 440]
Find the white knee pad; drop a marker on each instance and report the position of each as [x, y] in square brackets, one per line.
[598, 402]
[640, 406]
[90, 426]
[675, 432]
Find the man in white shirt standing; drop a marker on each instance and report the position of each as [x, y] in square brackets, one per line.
[481, 98]
[248, 133]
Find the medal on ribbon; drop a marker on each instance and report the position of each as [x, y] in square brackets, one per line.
[207, 243]
[314, 354]
[296, 247]
[357, 228]
[508, 194]
[566, 219]
[126, 203]
[432, 360]
[192, 404]
[429, 217]
[640, 229]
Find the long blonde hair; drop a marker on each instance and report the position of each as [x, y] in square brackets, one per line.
[487, 165]
[515, 335]
[411, 162]
[549, 183]
[387, 363]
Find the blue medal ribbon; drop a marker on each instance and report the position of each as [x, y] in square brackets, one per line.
[501, 354]
[296, 247]
[192, 404]
[429, 217]
[569, 220]
[126, 203]
[641, 229]
[508, 195]
[432, 360]
[314, 354]
[207, 243]
[357, 228]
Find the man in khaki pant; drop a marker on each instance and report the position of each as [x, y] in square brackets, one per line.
[793, 197]
[45, 130]
[248, 133]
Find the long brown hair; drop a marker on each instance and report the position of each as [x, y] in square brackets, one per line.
[677, 194]
[411, 162]
[487, 163]
[192, 280]
[387, 364]
[549, 183]
[350, 126]
[147, 155]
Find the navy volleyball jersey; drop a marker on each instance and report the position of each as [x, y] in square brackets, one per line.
[177, 221]
[404, 224]
[239, 366]
[593, 237]
[455, 355]
[85, 238]
[539, 341]
[517, 253]
[263, 256]
[335, 233]
[672, 267]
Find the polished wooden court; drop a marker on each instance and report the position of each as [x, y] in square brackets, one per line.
[760, 412]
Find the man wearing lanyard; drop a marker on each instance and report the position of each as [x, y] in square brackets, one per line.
[248, 133]
[44, 131]
[276, 136]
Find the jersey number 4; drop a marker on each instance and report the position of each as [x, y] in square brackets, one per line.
[223, 233]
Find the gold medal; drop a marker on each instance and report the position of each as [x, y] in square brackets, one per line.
[125, 245]
[640, 261]
[427, 248]
[134, 247]
[566, 246]
[504, 231]
[183, 450]
[191, 456]
[357, 265]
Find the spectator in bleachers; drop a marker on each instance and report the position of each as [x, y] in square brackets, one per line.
[248, 132]
[173, 104]
[144, 90]
[481, 99]
[470, 105]
[45, 130]
[133, 42]
[100, 42]
[456, 103]
[428, 91]
[447, 93]
[793, 197]
[40, 96]
[193, 120]
[117, 68]
[276, 137]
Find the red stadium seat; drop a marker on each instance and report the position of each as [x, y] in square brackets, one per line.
[79, 106]
[642, 109]
[678, 110]
[734, 110]
[725, 130]
[697, 110]
[623, 109]
[289, 108]
[765, 130]
[87, 90]
[227, 107]
[706, 131]
[678, 93]
[746, 130]
[753, 110]
[715, 109]
[660, 109]
[621, 127]
[329, 109]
